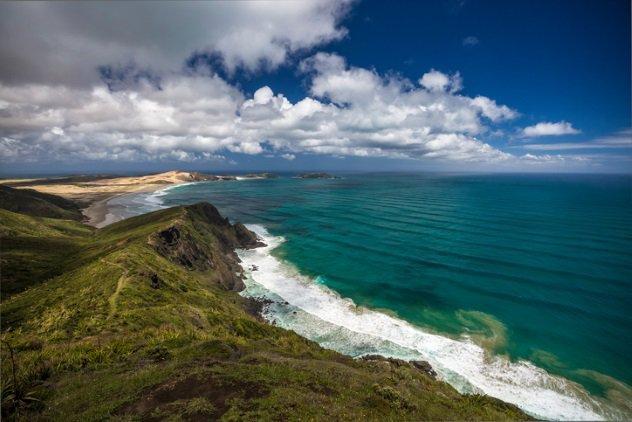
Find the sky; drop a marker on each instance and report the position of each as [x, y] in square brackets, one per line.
[455, 85]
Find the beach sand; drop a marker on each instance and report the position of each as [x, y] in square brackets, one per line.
[101, 212]
[95, 193]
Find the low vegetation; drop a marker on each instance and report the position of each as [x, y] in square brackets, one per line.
[135, 322]
[39, 204]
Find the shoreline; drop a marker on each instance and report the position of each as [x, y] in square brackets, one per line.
[93, 194]
[541, 394]
[295, 302]
[98, 211]
[95, 212]
[358, 325]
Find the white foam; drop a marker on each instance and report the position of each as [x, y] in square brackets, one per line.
[250, 177]
[154, 199]
[320, 314]
[128, 205]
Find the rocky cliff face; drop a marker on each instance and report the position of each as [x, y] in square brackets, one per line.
[175, 244]
[203, 240]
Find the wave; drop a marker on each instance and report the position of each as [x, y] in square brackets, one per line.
[250, 177]
[154, 199]
[131, 204]
[312, 310]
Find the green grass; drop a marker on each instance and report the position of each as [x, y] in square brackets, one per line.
[38, 204]
[94, 340]
[35, 249]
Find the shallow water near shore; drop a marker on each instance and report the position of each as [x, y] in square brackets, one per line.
[514, 285]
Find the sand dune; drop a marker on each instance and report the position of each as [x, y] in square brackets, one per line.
[88, 190]
[94, 192]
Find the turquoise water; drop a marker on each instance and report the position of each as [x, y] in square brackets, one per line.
[532, 267]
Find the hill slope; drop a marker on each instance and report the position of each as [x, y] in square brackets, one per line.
[38, 204]
[35, 249]
[141, 320]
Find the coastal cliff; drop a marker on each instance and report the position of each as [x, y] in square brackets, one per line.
[141, 320]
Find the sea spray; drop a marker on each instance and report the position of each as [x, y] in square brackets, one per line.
[316, 312]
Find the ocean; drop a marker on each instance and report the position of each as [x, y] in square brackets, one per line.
[517, 286]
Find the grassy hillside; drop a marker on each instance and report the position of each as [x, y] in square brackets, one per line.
[34, 249]
[38, 204]
[140, 320]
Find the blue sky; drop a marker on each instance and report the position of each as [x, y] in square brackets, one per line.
[346, 87]
[551, 60]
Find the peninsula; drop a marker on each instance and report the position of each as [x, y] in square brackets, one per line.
[142, 319]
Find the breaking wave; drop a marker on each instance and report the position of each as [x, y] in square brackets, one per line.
[309, 308]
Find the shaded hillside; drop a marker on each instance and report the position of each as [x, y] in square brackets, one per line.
[142, 321]
[34, 249]
[38, 204]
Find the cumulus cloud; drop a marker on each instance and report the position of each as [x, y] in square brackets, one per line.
[188, 116]
[437, 81]
[549, 129]
[64, 42]
[356, 111]
[351, 111]
[470, 41]
[88, 81]
[493, 111]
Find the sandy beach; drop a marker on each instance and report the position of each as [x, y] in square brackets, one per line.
[94, 193]
[100, 212]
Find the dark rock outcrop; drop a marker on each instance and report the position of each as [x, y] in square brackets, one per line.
[425, 367]
[203, 240]
[208, 214]
[155, 281]
[420, 365]
[255, 306]
[316, 176]
[182, 249]
[247, 238]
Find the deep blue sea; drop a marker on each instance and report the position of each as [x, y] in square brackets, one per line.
[518, 286]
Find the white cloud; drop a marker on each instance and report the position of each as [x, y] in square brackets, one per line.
[53, 104]
[493, 111]
[355, 111]
[188, 115]
[351, 112]
[549, 129]
[64, 42]
[333, 80]
[437, 81]
[621, 139]
[470, 41]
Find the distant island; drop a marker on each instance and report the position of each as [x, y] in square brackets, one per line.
[316, 176]
[142, 319]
